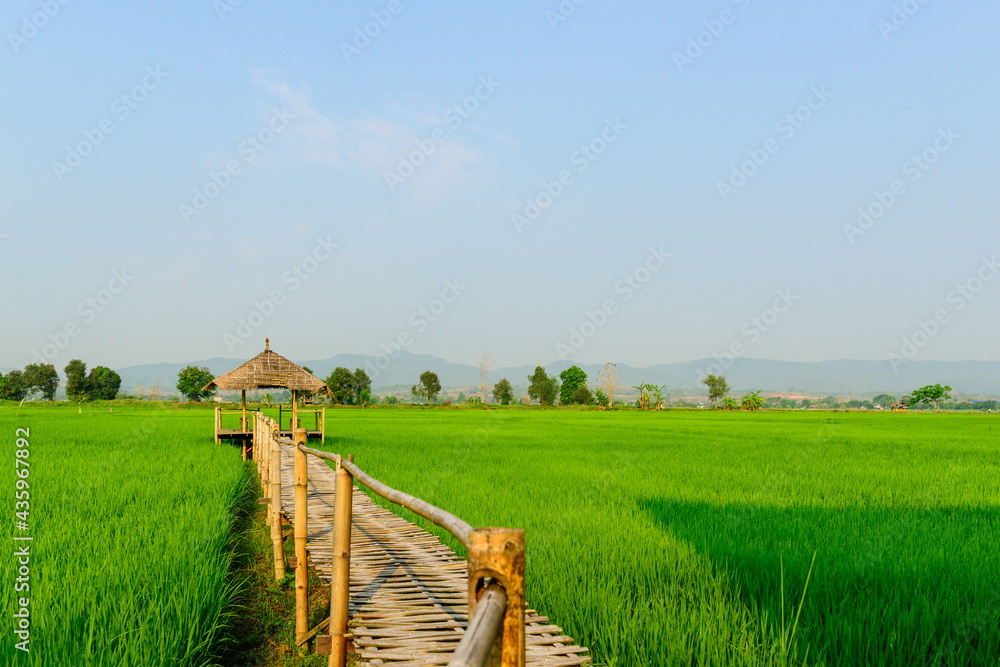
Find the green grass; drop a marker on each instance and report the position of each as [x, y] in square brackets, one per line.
[685, 538]
[131, 515]
[676, 538]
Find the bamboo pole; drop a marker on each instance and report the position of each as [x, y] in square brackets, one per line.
[275, 513]
[340, 587]
[301, 530]
[264, 461]
[498, 553]
[253, 444]
[243, 405]
[294, 424]
[454, 525]
[478, 644]
[265, 466]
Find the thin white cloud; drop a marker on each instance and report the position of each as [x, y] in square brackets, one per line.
[373, 143]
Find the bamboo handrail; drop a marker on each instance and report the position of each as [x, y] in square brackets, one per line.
[484, 628]
[495, 634]
[460, 529]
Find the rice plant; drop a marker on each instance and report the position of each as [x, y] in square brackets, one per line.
[678, 538]
[130, 514]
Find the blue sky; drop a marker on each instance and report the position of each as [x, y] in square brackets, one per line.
[697, 170]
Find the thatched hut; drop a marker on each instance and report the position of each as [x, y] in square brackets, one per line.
[268, 370]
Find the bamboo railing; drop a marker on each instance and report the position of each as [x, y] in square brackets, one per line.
[221, 411]
[319, 418]
[495, 634]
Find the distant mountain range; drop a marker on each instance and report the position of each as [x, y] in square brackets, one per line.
[843, 377]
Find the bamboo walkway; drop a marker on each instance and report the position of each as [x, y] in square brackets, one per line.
[409, 592]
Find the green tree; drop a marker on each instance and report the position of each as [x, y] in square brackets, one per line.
[752, 400]
[718, 388]
[572, 378]
[361, 385]
[642, 402]
[190, 381]
[429, 387]
[103, 383]
[583, 396]
[601, 398]
[932, 393]
[341, 384]
[76, 380]
[543, 387]
[43, 378]
[12, 387]
[503, 393]
[885, 400]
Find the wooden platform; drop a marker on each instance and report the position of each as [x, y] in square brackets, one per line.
[236, 434]
[233, 434]
[409, 592]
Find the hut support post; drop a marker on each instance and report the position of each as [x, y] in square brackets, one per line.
[498, 553]
[295, 411]
[301, 530]
[340, 588]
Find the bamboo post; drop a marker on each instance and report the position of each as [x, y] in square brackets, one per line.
[340, 587]
[265, 466]
[263, 461]
[218, 420]
[301, 530]
[243, 405]
[267, 477]
[498, 554]
[253, 444]
[275, 513]
[294, 424]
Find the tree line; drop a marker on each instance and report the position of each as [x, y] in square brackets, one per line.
[568, 387]
[932, 394]
[101, 383]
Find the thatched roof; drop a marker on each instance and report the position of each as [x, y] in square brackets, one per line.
[269, 370]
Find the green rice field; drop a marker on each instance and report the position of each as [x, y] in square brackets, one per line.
[685, 538]
[669, 538]
[130, 514]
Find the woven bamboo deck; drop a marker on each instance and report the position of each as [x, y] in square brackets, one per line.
[409, 592]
